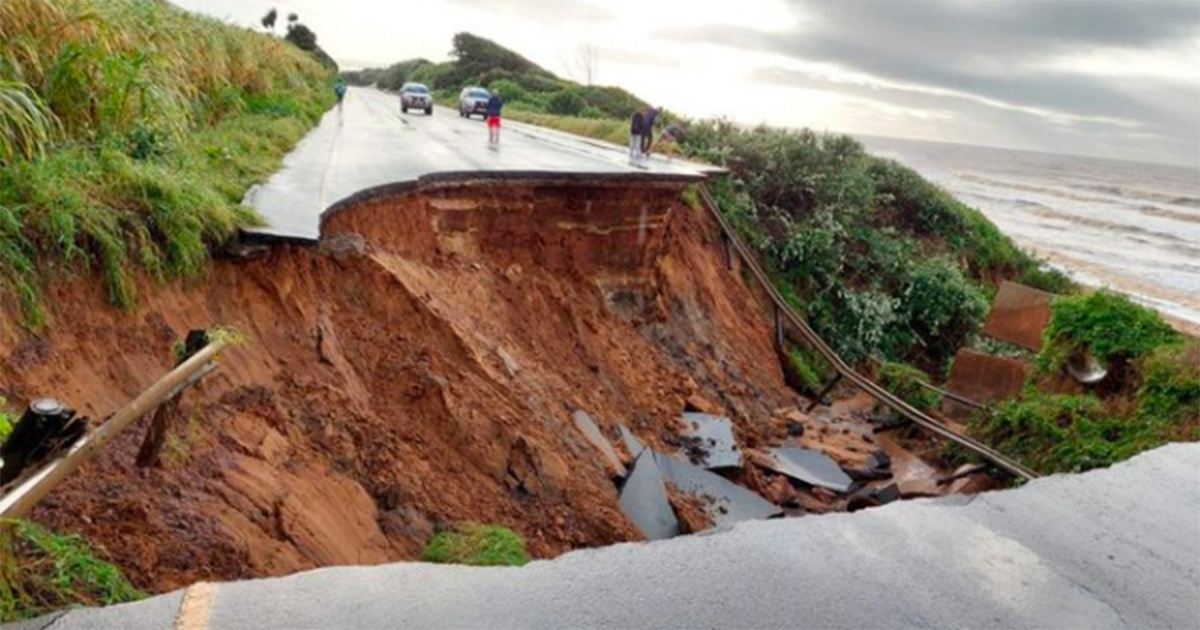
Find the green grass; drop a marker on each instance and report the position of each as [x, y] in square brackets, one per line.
[905, 381]
[7, 420]
[44, 571]
[1108, 325]
[129, 132]
[1061, 433]
[477, 545]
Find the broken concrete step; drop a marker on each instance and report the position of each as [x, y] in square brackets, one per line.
[644, 500]
[591, 431]
[805, 465]
[708, 441]
[725, 502]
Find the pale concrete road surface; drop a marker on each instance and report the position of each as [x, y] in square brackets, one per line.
[1117, 548]
[370, 143]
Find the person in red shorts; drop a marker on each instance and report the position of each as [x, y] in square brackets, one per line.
[494, 104]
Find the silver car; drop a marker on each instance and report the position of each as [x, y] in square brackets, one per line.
[416, 96]
[473, 100]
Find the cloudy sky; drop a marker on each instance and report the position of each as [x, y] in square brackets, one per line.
[1111, 78]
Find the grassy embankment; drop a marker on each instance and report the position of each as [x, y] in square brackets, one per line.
[129, 132]
[885, 265]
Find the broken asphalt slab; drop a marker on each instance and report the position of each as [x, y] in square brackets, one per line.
[644, 500]
[708, 441]
[811, 467]
[725, 502]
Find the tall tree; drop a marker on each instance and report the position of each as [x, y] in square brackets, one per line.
[268, 20]
[587, 59]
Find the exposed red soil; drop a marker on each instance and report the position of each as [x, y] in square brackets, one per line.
[417, 369]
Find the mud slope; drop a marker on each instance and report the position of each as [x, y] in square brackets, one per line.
[416, 369]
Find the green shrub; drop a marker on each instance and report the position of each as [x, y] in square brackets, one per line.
[567, 103]
[1108, 325]
[1170, 383]
[805, 366]
[477, 545]
[905, 381]
[1057, 433]
[938, 310]
[45, 571]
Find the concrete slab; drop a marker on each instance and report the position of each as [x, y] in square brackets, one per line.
[370, 143]
[1019, 315]
[984, 379]
[708, 441]
[1117, 548]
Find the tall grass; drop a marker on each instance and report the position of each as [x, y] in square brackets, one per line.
[129, 131]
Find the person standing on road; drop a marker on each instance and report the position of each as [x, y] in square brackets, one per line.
[339, 88]
[648, 129]
[635, 134]
[494, 104]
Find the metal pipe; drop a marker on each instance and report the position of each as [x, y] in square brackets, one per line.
[21, 499]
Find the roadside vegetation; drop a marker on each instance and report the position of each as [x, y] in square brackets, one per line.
[129, 132]
[477, 545]
[1151, 395]
[889, 268]
[42, 571]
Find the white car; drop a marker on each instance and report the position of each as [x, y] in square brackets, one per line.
[473, 100]
[416, 96]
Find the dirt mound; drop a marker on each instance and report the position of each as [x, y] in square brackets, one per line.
[419, 368]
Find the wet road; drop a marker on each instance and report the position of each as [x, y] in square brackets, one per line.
[1116, 548]
[370, 143]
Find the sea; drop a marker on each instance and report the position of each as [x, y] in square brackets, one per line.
[1129, 226]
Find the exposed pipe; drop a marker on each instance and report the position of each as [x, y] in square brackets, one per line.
[21, 499]
[873, 389]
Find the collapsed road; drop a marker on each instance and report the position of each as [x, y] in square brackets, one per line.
[370, 143]
[1114, 548]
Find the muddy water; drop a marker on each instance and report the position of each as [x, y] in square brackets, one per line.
[1129, 226]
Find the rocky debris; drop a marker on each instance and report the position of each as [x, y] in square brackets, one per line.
[707, 441]
[868, 497]
[343, 246]
[588, 428]
[510, 364]
[689, 510]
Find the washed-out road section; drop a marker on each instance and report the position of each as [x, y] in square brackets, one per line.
[369, 143]
[1116, 548]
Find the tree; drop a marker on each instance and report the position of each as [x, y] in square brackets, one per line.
[587, 59]
[268, 20]
[292, 17]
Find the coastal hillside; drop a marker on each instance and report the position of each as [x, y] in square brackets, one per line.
[892, 271]
[129, 132]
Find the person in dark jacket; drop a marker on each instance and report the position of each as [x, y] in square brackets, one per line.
[648, 129]
[494, 104]
[635, 134]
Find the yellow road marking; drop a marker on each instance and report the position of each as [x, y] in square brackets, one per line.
[196, 606]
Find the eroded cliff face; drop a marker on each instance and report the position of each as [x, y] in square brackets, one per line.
[417, 368]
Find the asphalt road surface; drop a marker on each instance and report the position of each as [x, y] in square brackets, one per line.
[369, 143]
[1116, 548]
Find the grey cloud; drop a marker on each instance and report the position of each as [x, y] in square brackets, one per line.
[986, 50]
